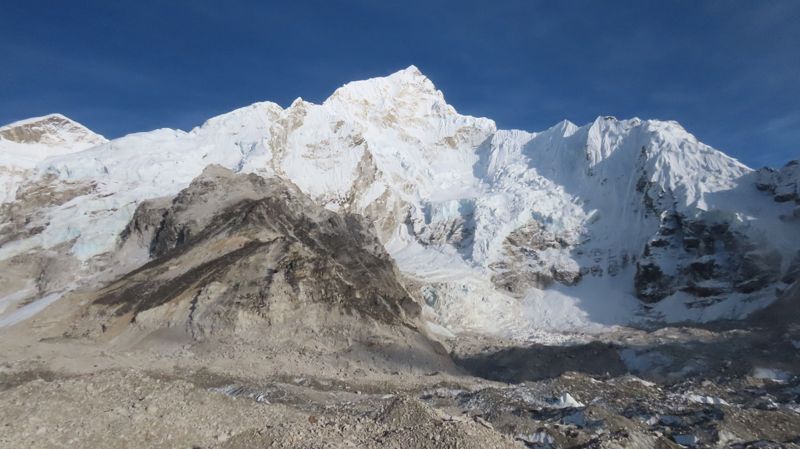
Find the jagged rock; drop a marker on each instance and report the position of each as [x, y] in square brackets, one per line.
[651, 283]
[23, 218]
[447, 223]
[703, 258]
[783, 184]
[535, 237]
[535, 257]
[757, 269]
[706, 288]
[788, 193]
[231, 243]
[793, 272]
[690, 243]
[146, 221]
[703, 268]
[566, 277]
[765, 179]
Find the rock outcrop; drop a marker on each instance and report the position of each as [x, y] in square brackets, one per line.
[51, 130]
[705, 258]
[245, 257]
[783, 184]
[534, 260]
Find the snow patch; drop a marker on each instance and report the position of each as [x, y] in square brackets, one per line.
[29, 310]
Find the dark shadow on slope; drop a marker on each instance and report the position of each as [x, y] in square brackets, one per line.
[138, 297]
[536, 362]
[783, 313]
[484, 151]
[467, 246]
[664, 356]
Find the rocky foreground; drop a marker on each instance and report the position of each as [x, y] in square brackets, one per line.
[693, 388]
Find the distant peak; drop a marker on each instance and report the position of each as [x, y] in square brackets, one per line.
[49, 118]
[298, 102]
[50, 129]
[565, 128]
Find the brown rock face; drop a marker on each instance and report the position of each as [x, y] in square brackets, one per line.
[47, 131]
[524, 268]
[232, 244]
[24, 217]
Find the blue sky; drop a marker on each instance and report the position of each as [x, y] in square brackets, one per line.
[728, 70]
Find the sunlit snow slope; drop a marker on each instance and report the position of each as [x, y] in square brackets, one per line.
[510, 232]
[25, 143]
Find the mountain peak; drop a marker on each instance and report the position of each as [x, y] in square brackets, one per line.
[564, 128]
[411, 69]
[410, 73]
[412, 77]
[406, 83]
[51, 130]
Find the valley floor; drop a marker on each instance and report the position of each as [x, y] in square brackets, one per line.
[667, 388]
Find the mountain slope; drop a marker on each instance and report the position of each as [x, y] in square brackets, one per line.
[263, 239]
[25, 143]
[507, 232]
[238, 261]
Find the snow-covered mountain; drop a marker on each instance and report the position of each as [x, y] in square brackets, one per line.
[25, 143]
[501, 231]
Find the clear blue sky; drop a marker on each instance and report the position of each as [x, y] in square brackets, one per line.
[728, 70]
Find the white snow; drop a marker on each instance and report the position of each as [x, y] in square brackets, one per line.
[703, 399]
[567, 401]
[773, 374]
[393, 148]
[14, 298]
[57, 135]
[539, 438]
